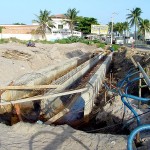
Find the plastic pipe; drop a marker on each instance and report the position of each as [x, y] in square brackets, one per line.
[121, 83]
[136, 97]
[132, 110]
[130, 83]
[134, 132]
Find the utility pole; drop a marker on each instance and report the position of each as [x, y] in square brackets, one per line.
[127, 31]
[112, 22]
[99, 33]
[111, 30]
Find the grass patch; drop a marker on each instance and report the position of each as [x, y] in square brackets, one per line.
[115, 47]
[71, 40]
[15, 40]
[2, 41]
[81, 40]
[102, 45]
[44, 42]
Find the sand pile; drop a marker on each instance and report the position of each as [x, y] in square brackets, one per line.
[17, 59]
[122, 61]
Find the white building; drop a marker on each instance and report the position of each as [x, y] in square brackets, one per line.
[62, 28]
[25, 32]
[147, 35]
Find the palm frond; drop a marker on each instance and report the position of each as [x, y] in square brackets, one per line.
[45, 22]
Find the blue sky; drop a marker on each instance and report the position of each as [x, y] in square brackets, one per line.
[23, 11]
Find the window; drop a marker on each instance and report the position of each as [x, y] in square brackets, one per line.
[60, 26]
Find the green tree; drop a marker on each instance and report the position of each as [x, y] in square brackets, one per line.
[119, 27]
[45, 22]
[72, 18]
[134, 18]
[84, 24]
[126, 26]
[1, 28]
[144, 26]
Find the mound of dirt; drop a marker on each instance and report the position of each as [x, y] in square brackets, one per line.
[122, 61]
[17, 59]
[16, 55]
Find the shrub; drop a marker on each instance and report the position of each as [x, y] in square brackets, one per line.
[13, 39]
[45, 42]
[115, 47]
[102, 45]
[3, 41]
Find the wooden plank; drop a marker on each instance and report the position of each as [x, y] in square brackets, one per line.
[41, 97]
[26, 87]
[63, 112]
[56, 117]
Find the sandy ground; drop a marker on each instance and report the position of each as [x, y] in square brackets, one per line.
[43, 137]
[17, 59]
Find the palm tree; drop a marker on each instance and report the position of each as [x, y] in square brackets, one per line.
[72, 18]
[144, 26]
[126, 26]
[119, 27]
[134, 18]
[45, 22]
[126, 30]
[1, 29]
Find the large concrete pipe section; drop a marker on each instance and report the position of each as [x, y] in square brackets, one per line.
[42, 77]
[83, 105]
[53, 106]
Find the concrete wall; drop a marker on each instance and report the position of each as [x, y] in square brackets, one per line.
[21, 36]
[53, 106]
[18, 29]
[50, 37]
[85, 103]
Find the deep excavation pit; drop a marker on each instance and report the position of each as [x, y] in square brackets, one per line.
[92, 126]
[32, 115]
[105, 121]
[108, 123]
[40, 77]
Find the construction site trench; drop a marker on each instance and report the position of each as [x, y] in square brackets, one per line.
[86, 105]
[88, 123]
